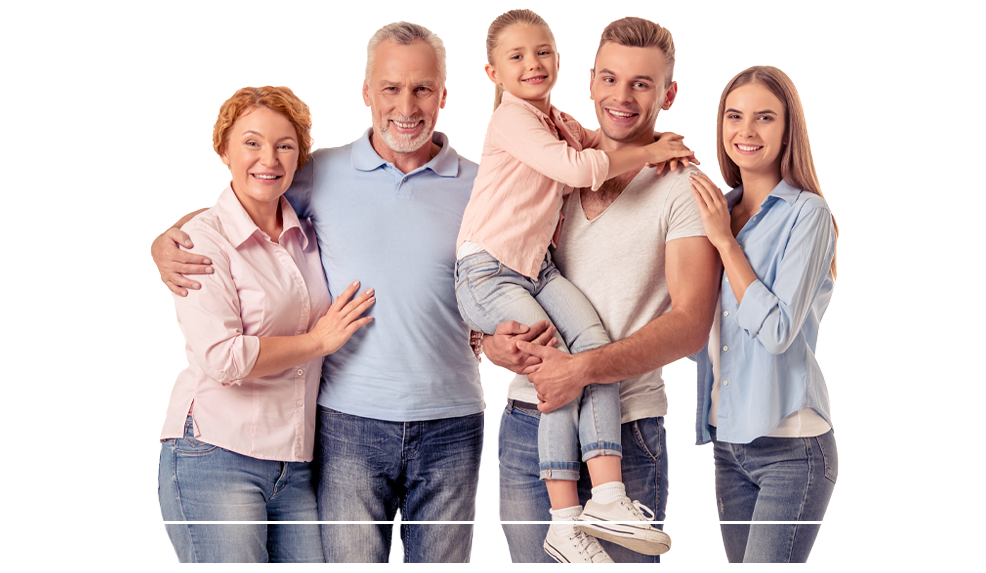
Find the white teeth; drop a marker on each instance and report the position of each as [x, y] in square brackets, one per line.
[404, 125]
[258, 176]
[749, 147]
[621, 114]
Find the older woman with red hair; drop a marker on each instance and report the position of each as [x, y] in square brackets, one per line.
[239, 432]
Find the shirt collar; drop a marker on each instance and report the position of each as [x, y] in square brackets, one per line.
[781, 191]
[445, 164]
[239, 226]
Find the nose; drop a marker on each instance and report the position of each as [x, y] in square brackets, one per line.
[268, 156]
[747, 128]
[407, 103]
[624, 93]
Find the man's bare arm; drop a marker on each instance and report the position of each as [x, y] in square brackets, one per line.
[172, 262]
[692, 269]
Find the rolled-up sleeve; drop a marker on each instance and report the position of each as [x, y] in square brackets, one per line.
[775, 316]
[522, 135]
[210, 318]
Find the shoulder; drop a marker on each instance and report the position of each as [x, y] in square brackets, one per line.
[329, 156]
[206, 231]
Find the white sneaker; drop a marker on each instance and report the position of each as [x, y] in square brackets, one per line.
[575, 548]
[622, 522]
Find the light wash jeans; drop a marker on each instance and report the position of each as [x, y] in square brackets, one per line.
[524, 498]
[368, 469]
[490, 293]
[201, 482]
[774, 479]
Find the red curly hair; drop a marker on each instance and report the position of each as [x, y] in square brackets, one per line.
[279, 99]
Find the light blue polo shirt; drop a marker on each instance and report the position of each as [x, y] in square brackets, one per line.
[394, 233]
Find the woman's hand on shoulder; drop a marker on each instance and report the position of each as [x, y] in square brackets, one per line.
[342, 319]
[669, 150]
[714, 209]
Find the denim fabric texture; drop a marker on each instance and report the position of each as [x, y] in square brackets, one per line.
[774, 479]
[201, 482]
[523, 497]
[490, 293]
[370, 468]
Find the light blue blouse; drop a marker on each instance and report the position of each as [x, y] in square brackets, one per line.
[767, 343]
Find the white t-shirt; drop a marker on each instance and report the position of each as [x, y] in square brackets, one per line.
[617, 261]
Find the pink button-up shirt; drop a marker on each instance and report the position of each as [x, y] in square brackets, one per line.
[258, 288]
[530, 161]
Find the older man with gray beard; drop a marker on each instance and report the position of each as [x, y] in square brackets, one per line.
[400, 407]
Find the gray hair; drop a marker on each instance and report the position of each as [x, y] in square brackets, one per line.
[405, 34]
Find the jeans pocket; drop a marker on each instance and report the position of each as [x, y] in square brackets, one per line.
[190, 446]
[830, 455]
[647, 436]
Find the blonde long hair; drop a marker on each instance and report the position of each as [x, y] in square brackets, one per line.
[797, 166]
[499, 26]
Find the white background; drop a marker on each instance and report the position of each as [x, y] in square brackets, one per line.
[106, 140]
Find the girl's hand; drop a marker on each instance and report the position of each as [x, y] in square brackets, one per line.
[715, 212]
[669, 149]
[342, 319]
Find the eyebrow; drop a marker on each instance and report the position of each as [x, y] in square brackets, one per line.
[257, 133]
[771, 112]
[637, 77]
[422, 83]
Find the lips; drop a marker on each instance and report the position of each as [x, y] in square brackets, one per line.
[535, 80]
[747, 149]
[266, 176]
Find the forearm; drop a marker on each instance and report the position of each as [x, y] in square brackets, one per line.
[674, 335]
[623, 160]
[278, 353]
[739, 273]
[188, 218]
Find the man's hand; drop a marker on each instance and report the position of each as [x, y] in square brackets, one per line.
[172, 262]
[501, 347]
[559, 378]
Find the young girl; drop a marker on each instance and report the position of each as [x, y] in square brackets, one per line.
[766, 407]
[504, 272]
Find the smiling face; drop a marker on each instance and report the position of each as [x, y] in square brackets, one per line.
[526, 63]
[628, 86]
[262, 155]
[405, 92]
[753, 130]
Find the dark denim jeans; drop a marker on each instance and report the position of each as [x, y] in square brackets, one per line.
[523, 496]
[202, 482]
[368, 469]
[774, 479]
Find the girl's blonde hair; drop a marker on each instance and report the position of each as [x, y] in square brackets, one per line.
[499, 26]
[797, 167]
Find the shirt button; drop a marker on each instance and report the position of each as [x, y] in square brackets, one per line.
[297, 280]
[725, 348]
[300, 403]
[305, 310]
[725, 313]
[300, 372]
[725, 382]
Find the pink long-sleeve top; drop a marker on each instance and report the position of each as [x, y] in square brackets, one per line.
[258, 288]
[530, 162]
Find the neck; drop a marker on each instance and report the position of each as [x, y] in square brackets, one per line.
[266, 215]
[644, 138]
[756, 186]
[405, 162]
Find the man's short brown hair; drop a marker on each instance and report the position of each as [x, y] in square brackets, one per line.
[639, 33]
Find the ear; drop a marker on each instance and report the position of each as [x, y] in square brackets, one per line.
[224, 156]
[670, 95]
[491, 73]
[441, 105]
[592, 82]
[366, 93]
[557, 61]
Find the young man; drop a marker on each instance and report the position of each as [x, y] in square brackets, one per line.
[632, 248]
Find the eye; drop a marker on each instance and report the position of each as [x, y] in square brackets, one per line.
[515, 57]
[732, 116]
[640, 85]
[252, 143]
[766, 118]
[544, 53]
[286, 146]
[609, 80]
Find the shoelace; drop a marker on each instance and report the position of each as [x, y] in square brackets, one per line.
[638, 510]
[587, 544]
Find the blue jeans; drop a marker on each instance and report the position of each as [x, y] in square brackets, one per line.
[774, 479]
[201, 482]
[490, 293]
[368, 469]
[523, 496]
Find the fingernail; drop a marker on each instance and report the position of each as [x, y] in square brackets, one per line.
[208, 269]
[355, 283]
[208, 262]
[369, 291]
